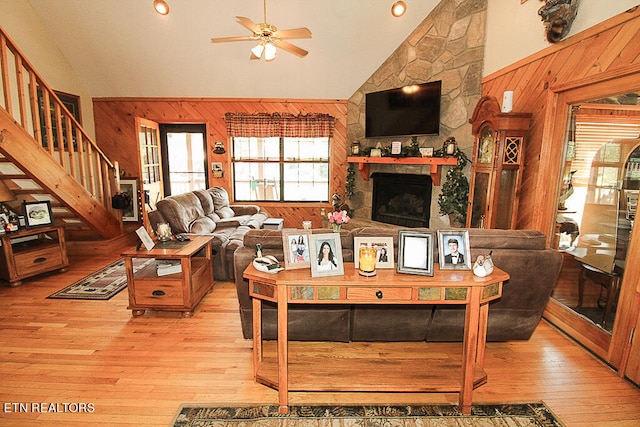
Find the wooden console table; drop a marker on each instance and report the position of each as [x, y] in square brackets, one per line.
[388, 287]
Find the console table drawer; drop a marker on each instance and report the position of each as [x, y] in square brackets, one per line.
[379, 293]
[158, 293]
[38, 260]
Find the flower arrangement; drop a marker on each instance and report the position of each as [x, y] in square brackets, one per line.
[338, 217]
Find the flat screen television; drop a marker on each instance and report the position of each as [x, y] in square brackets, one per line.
[408, 110]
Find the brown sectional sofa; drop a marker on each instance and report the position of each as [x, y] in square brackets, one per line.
[521, 253]
[210, 212]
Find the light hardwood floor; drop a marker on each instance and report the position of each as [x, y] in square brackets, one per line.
[137, 371]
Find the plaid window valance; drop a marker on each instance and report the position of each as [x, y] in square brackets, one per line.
[263, 125]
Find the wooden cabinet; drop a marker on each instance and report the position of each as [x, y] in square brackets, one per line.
[29, 252]
[180, 291]
[497, 165]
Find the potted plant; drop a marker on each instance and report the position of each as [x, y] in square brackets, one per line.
[454, 195]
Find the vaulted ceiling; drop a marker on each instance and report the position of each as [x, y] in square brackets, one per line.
[125, 49]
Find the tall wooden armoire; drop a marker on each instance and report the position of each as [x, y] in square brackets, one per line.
[496, 171]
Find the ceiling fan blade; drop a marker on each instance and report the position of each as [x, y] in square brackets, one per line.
[294, 33]
[291, 48]
[249, 24]
[232, 39]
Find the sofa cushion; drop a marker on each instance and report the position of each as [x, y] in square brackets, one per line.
[180, 211]
[225, 212]
[204, 225]
[220, 197]
[206, 201]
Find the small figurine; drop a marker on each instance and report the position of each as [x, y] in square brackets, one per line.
[483, 265]
[258, 250]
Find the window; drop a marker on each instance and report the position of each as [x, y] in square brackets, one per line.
[280, 157]
[281, 169]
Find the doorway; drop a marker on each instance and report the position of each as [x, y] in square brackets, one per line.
[184, 154]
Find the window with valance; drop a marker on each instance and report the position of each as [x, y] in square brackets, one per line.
[280, 157]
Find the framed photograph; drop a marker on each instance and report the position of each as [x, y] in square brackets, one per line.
[382, 245]
[415, 252]
[295, 244]
[326, 255]
[130, 186]
[37, 213]
[453, 250]
[145, 238]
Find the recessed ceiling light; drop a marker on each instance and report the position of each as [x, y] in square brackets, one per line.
[161, 7]
[398, 8]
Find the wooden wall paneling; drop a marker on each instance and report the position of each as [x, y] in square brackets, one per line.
[591, 53]
[116, 135]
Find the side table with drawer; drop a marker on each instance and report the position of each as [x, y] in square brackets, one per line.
[178, 291]
[32, 251]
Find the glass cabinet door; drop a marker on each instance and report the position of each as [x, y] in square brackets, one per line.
[480, 199]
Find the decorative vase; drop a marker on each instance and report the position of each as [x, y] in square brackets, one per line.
[336, 227]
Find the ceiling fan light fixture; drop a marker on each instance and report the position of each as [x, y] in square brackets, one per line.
[161, 7]
[269, 52]
[398, 8]
[258, 49]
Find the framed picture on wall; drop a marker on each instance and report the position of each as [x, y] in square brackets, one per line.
[130, 186]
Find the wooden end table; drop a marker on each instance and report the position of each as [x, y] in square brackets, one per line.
[32, 251]
[387, 287]
[181, 291]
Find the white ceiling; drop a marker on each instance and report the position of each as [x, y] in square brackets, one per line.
[122, 48]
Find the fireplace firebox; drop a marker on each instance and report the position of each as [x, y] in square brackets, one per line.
[401, 199]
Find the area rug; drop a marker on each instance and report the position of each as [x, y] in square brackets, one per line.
[103, 284]
[524, 414]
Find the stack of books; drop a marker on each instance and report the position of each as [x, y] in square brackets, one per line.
[168, 266]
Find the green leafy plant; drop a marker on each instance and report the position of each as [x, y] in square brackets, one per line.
[455, 190]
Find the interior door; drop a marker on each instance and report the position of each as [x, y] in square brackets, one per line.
[150, 164]
[184, 154]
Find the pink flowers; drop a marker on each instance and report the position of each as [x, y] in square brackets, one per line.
[339, 218]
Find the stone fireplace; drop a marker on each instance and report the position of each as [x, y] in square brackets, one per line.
[401, 199]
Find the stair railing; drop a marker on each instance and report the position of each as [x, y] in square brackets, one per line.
[37, 108]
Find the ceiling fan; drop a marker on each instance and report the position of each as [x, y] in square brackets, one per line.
[268, 37]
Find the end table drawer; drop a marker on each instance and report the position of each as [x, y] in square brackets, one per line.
[38, 260]
[158, 293]
[377, 294]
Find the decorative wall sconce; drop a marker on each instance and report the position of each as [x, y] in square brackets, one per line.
[218, 148]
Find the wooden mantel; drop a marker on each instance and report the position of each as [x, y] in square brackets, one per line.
[435, 162]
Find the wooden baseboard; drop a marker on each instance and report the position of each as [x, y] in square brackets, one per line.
[102, 247]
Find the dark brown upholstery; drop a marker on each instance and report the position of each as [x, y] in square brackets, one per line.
[521, 253]
[210, 212]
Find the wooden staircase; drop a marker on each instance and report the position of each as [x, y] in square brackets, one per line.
[46, 155]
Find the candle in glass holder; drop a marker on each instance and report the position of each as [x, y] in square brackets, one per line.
[367, 261]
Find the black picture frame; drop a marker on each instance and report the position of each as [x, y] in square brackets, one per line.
[415, 252]
[37, 214]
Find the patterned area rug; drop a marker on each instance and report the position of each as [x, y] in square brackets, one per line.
[525, 414]
[103, 284]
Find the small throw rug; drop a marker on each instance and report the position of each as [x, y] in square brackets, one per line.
[508, 415]
[103, 284]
